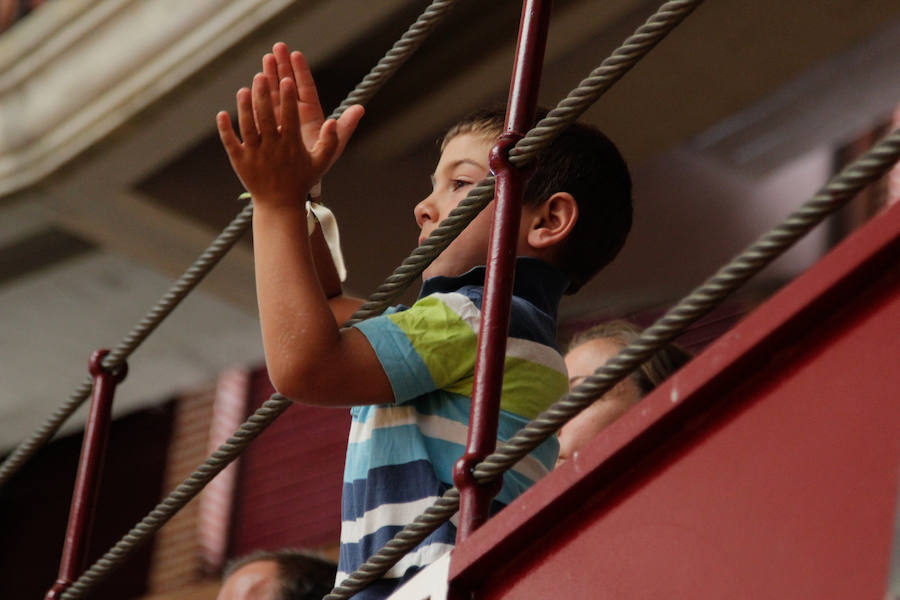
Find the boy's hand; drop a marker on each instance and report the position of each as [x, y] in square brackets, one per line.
[273, 161]
[280, 64]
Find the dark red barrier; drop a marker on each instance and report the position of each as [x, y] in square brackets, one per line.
[766, 468]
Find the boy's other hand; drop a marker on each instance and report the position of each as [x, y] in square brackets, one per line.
[273, 161]
[281, 63]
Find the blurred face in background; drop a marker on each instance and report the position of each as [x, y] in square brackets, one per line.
[257, 580]
[582, 361]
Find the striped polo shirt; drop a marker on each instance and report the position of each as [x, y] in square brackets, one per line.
[400, 456]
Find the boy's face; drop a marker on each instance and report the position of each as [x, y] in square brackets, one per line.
[463, 163]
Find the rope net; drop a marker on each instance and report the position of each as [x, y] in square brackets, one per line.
[840, 189]
[703, 299]
[669, 15]
[362, 93]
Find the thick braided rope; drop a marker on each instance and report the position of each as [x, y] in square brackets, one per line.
[669, 15]
[623, 58]
[164, 306]
[182, 494]
[403, 539]
[383, 70]
[446, 506]
[399, 53]
[839, 190]
[875, 163]
[461, 216]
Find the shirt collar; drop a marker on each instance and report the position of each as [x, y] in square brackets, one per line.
[536, 281]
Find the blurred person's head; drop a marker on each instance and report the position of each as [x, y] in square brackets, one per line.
[589, 350]
[277, 575]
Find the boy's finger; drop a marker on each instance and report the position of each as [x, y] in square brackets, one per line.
[302, 74]
[290, 120]
[345, 127]
[270, 70]
[326, 147]
[246, 122]
[283, 61]
[348, 122]
[262, 106]
[306, 85]
[226, 134]
[311, 115]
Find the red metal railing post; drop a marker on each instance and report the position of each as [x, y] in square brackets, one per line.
[475, 499]
[90, 470]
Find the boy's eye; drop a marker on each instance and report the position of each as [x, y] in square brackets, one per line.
[459, 183]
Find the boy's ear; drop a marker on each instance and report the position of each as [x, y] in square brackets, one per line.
[551, 222]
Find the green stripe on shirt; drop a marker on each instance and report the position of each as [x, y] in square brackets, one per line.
[444, 341]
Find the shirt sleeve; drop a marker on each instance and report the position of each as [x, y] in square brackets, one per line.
[427, 347]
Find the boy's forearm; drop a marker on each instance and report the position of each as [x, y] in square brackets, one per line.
[297, 323]
[307, 355]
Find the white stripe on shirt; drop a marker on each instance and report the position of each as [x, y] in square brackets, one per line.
[384, 515]
[433, 426]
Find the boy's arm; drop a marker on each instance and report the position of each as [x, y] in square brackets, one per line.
[309, 358]
[342, 307]
[277, 65]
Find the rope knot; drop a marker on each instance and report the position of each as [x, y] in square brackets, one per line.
[96, 366]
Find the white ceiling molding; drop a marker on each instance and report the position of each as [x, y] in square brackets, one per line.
[51, 109]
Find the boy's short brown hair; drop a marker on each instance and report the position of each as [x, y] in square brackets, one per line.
[585, 163]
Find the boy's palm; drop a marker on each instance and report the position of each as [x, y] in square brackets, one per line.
[281, 157]
[281, 64]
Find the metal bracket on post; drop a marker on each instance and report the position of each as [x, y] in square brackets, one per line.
[475, 499]
[90, 470]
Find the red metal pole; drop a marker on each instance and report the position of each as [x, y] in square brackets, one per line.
[475, 500]
[90, 470]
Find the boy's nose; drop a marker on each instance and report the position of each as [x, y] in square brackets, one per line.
[425, 211]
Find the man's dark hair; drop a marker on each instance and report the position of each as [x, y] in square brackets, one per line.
[301, 575]
[585, 163]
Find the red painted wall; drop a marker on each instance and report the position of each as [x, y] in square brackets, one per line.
[289, 487]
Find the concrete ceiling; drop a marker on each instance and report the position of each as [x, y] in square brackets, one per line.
[727, 124]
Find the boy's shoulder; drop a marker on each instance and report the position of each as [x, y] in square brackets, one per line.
[445, 302]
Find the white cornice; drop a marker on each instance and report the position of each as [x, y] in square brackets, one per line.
[74, 71]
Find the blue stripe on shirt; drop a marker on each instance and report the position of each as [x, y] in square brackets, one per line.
[380, 450]
[392, 484]
[406, 370]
